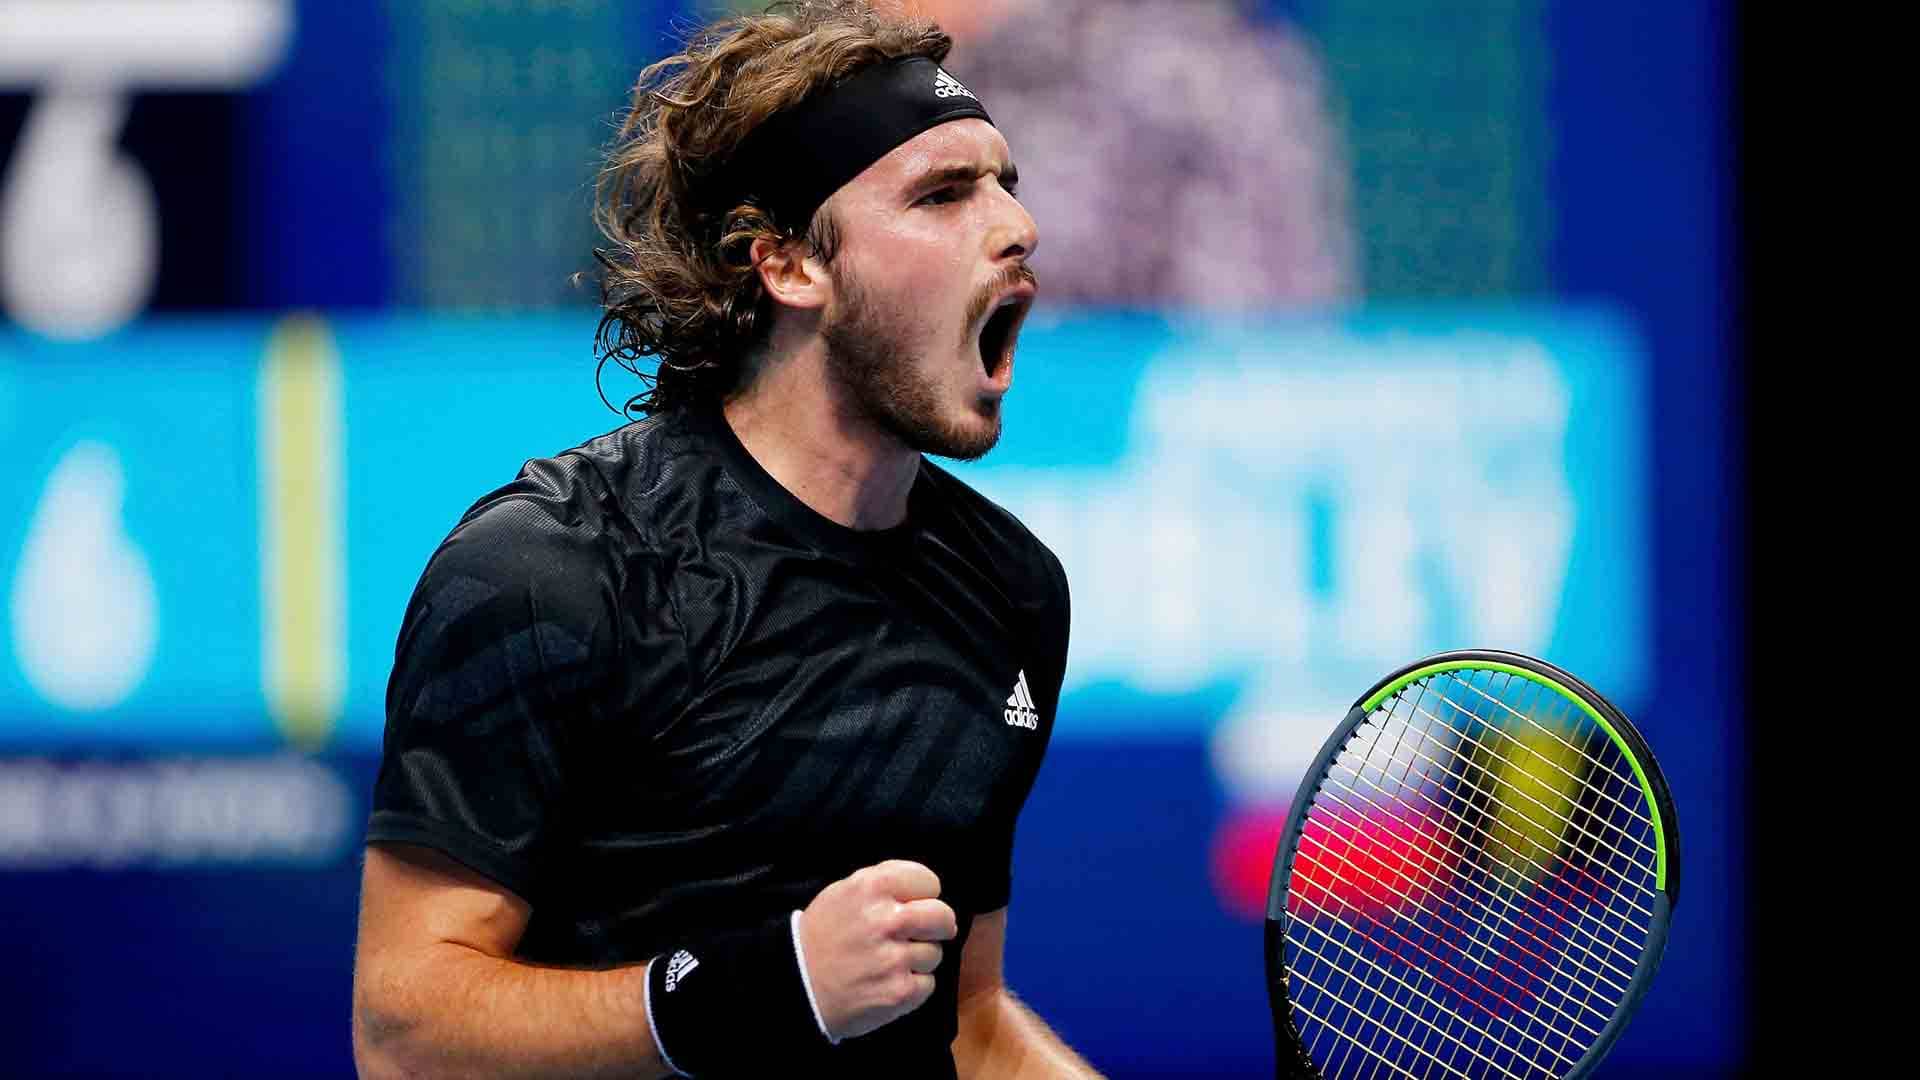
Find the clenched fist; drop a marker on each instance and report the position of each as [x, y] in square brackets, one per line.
[872, 940]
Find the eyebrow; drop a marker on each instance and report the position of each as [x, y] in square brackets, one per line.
[1009, 175]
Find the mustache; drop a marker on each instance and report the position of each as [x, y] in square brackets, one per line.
[1017, 274]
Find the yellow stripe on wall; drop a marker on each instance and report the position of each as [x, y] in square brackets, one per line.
[302, 534]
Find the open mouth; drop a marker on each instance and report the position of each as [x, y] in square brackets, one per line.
[998, 335]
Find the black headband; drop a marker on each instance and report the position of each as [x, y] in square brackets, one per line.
[797, 158]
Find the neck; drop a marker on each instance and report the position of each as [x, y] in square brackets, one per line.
[801, 427]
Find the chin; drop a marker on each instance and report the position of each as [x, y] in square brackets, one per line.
[973, 434]
[984, 436]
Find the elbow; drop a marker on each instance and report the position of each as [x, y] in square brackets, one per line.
[375, 1054]
[381, 1038]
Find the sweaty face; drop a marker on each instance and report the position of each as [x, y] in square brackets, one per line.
[929, 290]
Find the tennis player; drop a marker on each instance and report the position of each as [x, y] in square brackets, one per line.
[706, 740]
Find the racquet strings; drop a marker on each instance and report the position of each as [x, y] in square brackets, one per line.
[1473, 887]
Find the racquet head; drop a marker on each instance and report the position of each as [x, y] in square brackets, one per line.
[1475, 880]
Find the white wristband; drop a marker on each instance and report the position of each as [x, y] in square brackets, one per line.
[800, 957]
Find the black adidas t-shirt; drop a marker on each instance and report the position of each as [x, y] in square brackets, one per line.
[651, 692]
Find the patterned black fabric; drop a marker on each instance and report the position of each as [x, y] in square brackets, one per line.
[652, 693]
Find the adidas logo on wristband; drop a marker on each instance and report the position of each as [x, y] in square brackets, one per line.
[752, 972]
[679, 966]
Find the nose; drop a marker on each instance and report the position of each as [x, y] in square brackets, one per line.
[1015, 235]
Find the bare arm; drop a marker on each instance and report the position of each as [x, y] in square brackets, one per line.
[437, 993]
[999, 1036]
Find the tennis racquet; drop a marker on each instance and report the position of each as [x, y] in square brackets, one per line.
[1475, 880]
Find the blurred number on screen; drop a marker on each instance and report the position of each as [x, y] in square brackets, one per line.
[79, 225]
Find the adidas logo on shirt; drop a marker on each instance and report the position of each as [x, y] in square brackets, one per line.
[1020, 711]
[679, 966]
[946, 86]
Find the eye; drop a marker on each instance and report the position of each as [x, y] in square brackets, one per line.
[940, 196]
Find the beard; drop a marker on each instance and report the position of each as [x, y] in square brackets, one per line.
[868, 357]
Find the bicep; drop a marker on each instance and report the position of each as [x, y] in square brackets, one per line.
[982, 958]
[413, 898]
[418, 907]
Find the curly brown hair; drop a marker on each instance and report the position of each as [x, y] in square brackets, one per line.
[678, 280]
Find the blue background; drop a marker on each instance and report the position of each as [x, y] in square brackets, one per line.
[1118, 933]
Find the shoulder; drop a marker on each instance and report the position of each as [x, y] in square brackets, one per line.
[546, 590]
[587, 502]
[555, 545]
[1004, 537]
[557, 514]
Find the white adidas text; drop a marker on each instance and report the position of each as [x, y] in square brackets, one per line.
[679, 966]
[946, 86]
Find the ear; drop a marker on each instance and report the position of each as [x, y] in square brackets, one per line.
[790, 274]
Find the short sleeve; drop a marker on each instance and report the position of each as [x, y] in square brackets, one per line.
[504, 654]
[1059, 624]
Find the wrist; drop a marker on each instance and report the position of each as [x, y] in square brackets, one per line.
[806, 980]
[734, 1002]
[653, 1024]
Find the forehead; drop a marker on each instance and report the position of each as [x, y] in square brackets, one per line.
[972, 142]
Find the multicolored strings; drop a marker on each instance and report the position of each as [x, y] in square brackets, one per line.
[1474, 886]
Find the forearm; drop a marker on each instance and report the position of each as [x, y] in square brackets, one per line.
[453, 1011]
[1000, 1037]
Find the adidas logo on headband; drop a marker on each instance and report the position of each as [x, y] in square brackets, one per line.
[946, 86]
[799, 156]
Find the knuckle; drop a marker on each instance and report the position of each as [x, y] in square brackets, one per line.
[900, 958]
[895, 918]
